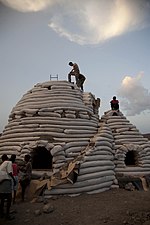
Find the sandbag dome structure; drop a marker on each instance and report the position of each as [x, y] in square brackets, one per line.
[58, 124]
[131, 149]
[60, 127]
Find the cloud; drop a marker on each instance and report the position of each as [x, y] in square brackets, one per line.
[28, 5]
[136, 98]
[89, 22]
[97, 21]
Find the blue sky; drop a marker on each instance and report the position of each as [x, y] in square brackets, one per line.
[109, 39]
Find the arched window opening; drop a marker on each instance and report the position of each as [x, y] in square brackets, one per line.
[131, 158]
[114, 114]
[41, 158]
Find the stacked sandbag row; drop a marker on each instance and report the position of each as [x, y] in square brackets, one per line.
[53, 112]
[128, 139]
[96, 173]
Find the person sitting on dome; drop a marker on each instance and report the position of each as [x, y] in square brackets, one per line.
[114, 104]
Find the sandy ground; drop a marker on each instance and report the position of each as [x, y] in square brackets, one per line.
[114, 207]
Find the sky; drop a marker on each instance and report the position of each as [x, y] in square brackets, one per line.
[108, 39]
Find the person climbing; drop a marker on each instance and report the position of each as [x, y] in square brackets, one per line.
[114, 104]
[80, 81]
[80, 78]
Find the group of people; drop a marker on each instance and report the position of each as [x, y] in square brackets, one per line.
[10, 176]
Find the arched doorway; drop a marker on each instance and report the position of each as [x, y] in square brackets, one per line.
[41, 158]
[131, 158]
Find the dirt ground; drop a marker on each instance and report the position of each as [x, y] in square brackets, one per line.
[114, 207]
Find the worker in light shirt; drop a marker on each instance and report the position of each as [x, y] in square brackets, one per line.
[6, 177]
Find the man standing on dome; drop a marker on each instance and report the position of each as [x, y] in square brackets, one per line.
[74, 72]
[80, 78]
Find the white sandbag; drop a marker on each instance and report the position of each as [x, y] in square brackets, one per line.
[145, 151]
[97, 152]
[84, 116]
[81, 142]
[51, 114]
[132, 169]
[146, 161]
[97, 191]
[60, 87]
[56, 149]
[105, 135]
[70, 139]
[5, 144]
[9, 152]
[59, 121]
[89, 170]
[70, 115]
[73, 154]
[95, 175]
[137, 142]
[87, 183]
[103, 148]
[131, 133]
[96, 163]
[98, 157]
[119, 123]
[103, 143]
[133, 173]
[145, 145]
[118, 117]
[103, 139]
[145, 157]
[94, 129]
[20, 140]
[71, 131]
[117, 126]
[78, 190]
[125, 136]
[122, 129]
[59, 158]
[75, 149]
[146, 165]
[58, 165]
[25, 151]
[117, 120]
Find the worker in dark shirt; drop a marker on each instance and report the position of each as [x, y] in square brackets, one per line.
[114, 104]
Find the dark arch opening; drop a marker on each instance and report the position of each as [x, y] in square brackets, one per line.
[114, 114]
[41, 158]
[131, 158]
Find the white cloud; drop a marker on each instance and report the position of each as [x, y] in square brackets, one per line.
[136, 98]
[93, 22]
[89, 22]
[28, 5]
